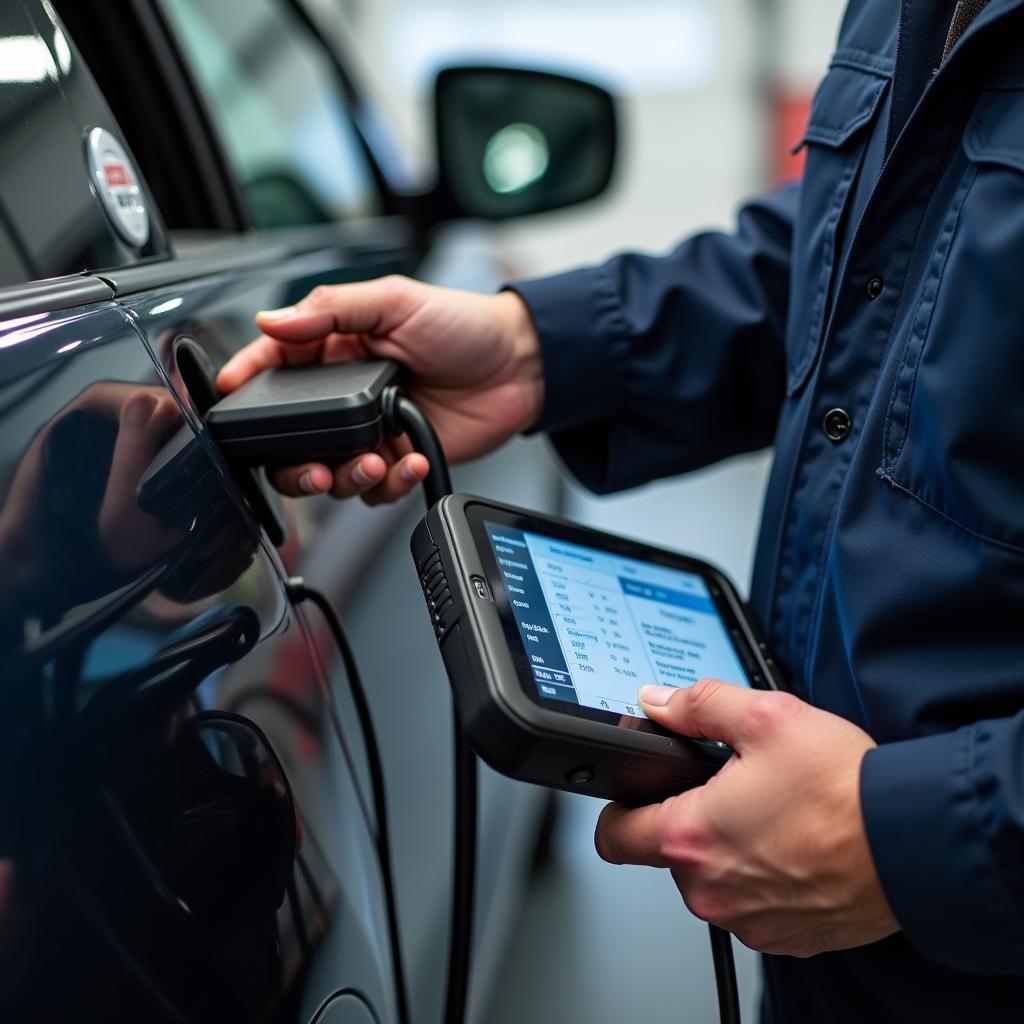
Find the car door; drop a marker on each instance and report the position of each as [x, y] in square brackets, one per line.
[183, 833]
[185, 838]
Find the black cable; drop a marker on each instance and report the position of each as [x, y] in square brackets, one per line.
[725, 976]
[301, 592]
[464, 877]
[412, 422]
[409, 419]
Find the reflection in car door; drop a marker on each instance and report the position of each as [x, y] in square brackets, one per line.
[296, 740]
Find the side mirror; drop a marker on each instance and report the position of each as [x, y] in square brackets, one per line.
[512, 142]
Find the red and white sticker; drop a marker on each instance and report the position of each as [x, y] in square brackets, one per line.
[117, 186]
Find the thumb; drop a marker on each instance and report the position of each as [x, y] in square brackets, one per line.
[710, 709]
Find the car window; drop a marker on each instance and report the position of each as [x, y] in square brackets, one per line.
[278, 106]
[52, 221]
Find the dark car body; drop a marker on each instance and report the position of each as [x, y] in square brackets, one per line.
[186, 822]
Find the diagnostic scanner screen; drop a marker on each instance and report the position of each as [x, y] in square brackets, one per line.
[596, 626]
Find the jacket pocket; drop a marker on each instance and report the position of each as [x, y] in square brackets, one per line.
[995, 132]
[954, 429]
[845, 105]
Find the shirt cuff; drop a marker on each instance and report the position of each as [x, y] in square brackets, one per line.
[927, 804]
[584, 346]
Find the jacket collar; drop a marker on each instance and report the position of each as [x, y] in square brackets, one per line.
[996, 9]
[995, 12]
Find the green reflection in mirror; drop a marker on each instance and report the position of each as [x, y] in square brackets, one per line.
[515, 158]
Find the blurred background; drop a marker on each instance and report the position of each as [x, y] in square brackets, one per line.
[713, 96]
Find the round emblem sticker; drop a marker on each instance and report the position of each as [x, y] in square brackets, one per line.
[117, 185]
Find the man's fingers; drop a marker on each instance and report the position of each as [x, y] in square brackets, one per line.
[630, 835]
[359, 475]
[299, 481]
[401, 478]
[380, 477]
[351, 478]
[295, 325]
[369, 307]
[329, 314]
[715, 710]
[662, 835]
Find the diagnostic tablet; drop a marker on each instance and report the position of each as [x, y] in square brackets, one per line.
[549, 629]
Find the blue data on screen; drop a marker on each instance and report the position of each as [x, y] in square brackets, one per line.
[596, 626]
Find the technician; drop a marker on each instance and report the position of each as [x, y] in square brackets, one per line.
[869, 836]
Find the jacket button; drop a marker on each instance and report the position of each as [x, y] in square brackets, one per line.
[837, 425]
[875, 288]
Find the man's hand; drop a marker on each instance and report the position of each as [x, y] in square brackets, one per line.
[129, 538]
[773, 848]
[473, 360]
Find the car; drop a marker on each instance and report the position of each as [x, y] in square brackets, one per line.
[189, 824]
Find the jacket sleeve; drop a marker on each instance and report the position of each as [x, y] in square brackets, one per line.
[945, 821]
[658, 365]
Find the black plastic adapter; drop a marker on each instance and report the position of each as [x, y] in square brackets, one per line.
[317, 413]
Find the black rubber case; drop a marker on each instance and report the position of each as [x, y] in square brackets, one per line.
[325, 412]
[516, 735]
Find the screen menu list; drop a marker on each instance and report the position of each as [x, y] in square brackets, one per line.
[597, 626]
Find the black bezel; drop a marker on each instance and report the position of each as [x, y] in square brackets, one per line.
[477, 513]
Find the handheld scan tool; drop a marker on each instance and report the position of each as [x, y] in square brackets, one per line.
[548, 630]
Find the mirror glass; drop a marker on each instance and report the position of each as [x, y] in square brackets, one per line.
[513, 142]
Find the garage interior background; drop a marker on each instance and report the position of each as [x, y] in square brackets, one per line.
[714, 93]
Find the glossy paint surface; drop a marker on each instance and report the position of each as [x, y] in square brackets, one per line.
[181, 831]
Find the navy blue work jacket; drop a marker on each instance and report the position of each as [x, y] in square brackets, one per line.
[887, 285]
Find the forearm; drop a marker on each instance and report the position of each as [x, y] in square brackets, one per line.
[945, 820]
[656, 365]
